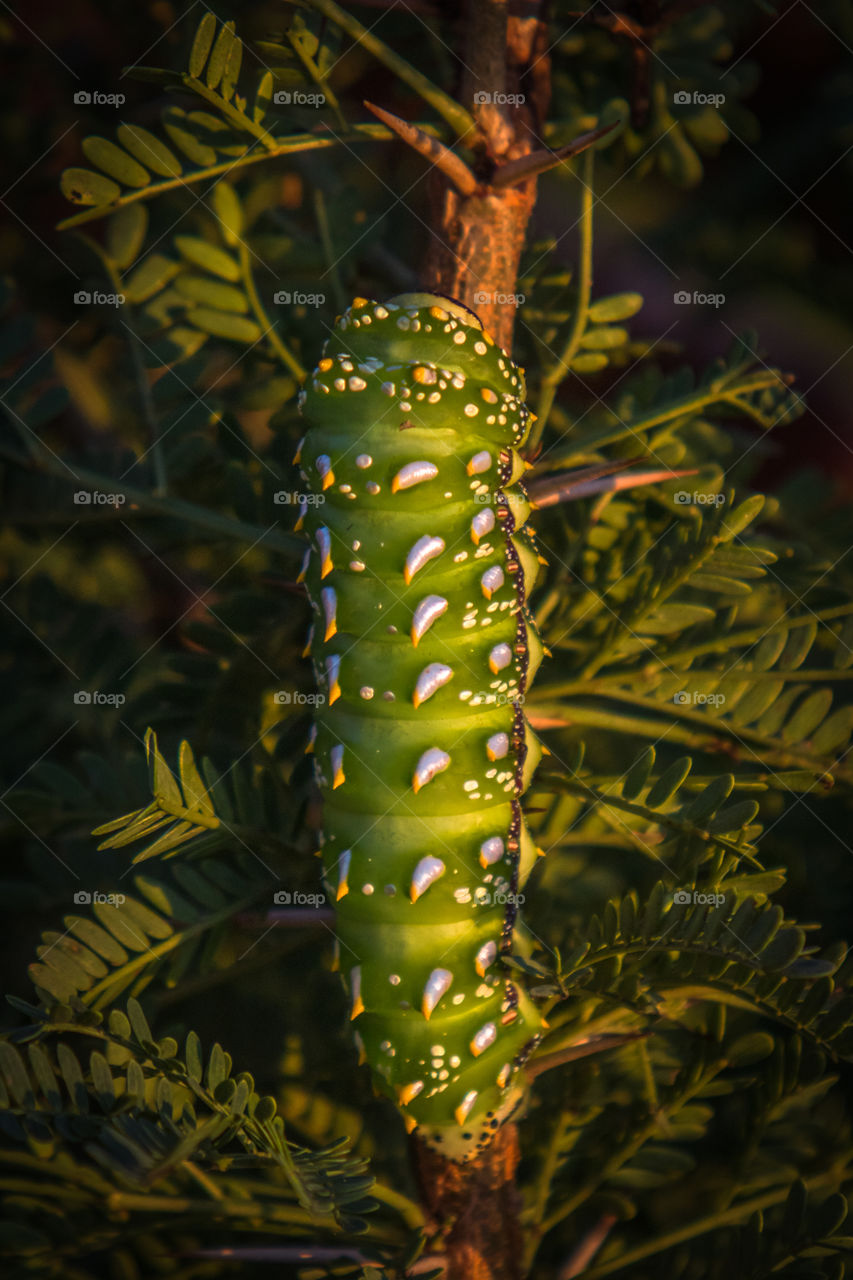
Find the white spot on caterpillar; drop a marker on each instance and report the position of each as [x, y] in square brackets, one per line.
[343, 874]
[357, 384]
[458, 999]
[355, 989]
[394, 979]
[367, 890]
[486, 1036]
[485, 957]
[333, 667]
[324, 542]
[357, 566]
[431, 679]
[471, 410]
[500, 657]
[363, 461]
[340, 384]
[366, 692]
[437, 984]
[483, 523]
[406, 1093]
[491, 850]
[432, 761]
[427, 871]
[480, 348]
[492, 580]
[389, 388]
[424, 550]
[372, 487]
[330, 607]
[497, 746]
[462, 896]
[460, 557]
[479, 463]
[464, 1109]
[413, 473]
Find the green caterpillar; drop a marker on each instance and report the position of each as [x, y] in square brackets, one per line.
[419, 571]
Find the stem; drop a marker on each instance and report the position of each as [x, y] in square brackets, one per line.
[322, 217]
[283, 352]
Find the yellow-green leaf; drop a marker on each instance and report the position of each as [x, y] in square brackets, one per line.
[82, 186]
[126, 234]
[201, 44]
[115, 161]
[207, 256]
[149, 150]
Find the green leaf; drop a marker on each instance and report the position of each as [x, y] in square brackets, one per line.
[225, 325]
[834, 733]
[139, 1022]
[195, 792]
[116, 162]
[212, 293]
[232, 70]
[669, 782]
[638, 775]
[150, 277]
[619, 306]
[738, 519]
[811, 711]
[208, 256]
[227, 208]
[263, 96]
[591, 362]
[175, 124]
[163, 784]
[750, 1048]
[219, 57]
[201, 44]
[126, 234]
[603, 339]
[82, 186]
[149, 150]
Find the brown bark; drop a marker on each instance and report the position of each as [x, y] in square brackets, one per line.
[475, 1208]
[477, 240]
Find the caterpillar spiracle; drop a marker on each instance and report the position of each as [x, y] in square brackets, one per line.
[418, 572]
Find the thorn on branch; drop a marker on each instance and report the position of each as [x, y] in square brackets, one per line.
[516, 171]
[452, 166]
[550, 490]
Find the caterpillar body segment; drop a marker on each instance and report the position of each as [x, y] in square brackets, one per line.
[419, 571]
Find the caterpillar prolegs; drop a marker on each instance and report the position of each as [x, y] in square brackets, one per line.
[418, 571]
